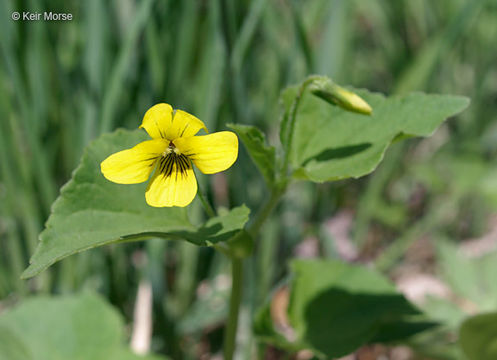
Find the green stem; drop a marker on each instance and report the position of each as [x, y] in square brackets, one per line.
[266, 210]
[236, 263]
[280, 188]
[237, 273]
[291, 123]
[207, 207]
[235, 300]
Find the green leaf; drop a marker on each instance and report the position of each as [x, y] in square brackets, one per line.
[12, 347]
[261, 154]
[335, 308]
[478, 337]
[69, 327]
[399, 330]
[331, 144]
[220, 228]
[92, 211]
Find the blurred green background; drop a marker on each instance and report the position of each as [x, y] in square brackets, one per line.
[428, 212]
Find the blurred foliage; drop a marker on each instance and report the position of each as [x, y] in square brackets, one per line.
[65, 83]
[71, 327]
[478, 337]
[335, 313]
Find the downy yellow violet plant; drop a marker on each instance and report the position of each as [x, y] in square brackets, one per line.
[327, 133]
[170, 152]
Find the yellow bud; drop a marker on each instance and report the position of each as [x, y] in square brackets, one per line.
[337, 95]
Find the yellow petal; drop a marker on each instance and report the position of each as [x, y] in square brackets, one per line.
[184, 125]
[157, 120]
[172, 185]
[210, 153]
[134, 165]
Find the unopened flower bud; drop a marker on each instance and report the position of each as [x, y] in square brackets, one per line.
[337, 95]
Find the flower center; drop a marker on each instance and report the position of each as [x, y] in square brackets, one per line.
[173, 160]
[171, 149]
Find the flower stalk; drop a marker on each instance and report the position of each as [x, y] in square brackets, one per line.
[205, 203]
[235, 301]
[292, 116]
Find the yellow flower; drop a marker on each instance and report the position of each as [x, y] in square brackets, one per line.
[170, 152]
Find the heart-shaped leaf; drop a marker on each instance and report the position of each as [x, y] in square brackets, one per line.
[330, 143]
